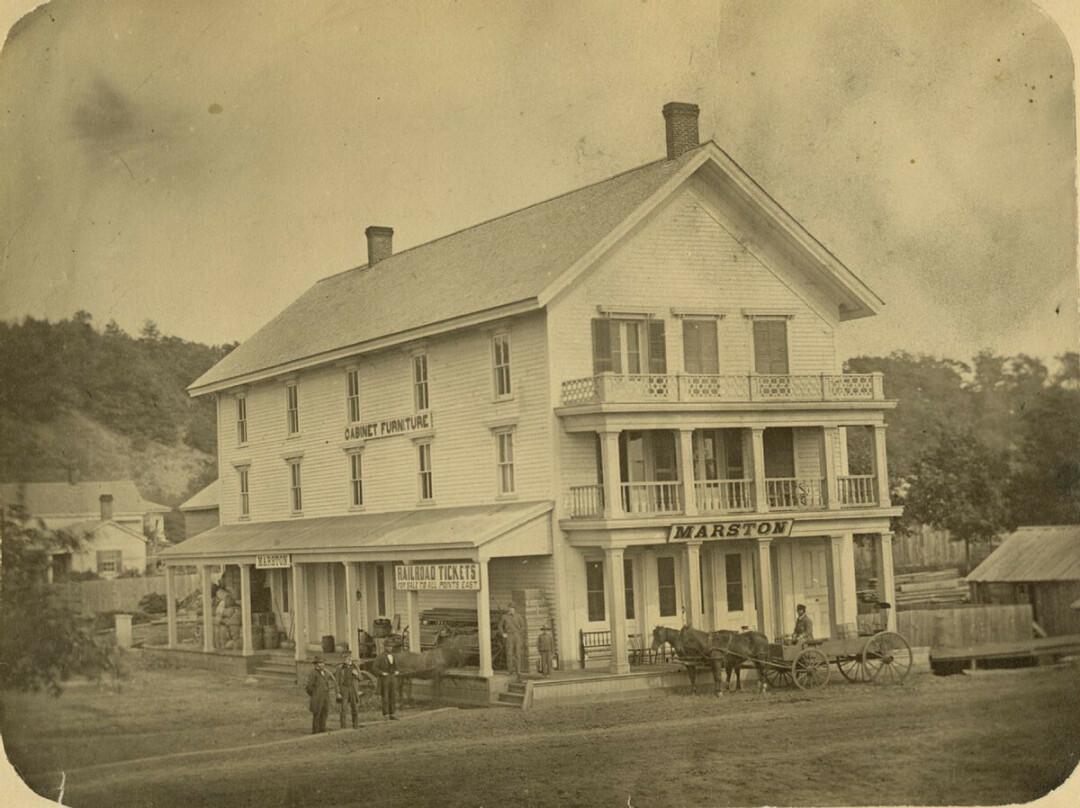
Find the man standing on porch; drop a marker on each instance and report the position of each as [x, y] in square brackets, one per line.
[512, 627]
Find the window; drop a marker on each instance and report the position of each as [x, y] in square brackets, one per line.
[242, 481]
[701, 354]
[241, 420]
[500, 357]
[109, 561]
[352, 395]
[628, 586]
[504, 442]
[594, 590]
[420, 382]
[286, 582]
[380, 587]
[770, 347]
[356, 479]
[628, 346]
[665, 577]
[292, 410]
[423, 466]
[733, 576]
[297, 499]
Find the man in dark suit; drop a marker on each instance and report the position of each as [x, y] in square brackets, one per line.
[804, 626]
[385, 668]
[348, 689]
[320, 684]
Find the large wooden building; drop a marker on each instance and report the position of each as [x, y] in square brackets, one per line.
[625, 401]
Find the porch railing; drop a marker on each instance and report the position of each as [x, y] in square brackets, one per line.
[795, 493]
[724, 496]
[857, 490]
[606, 388]
[586, 501]
[652, 497]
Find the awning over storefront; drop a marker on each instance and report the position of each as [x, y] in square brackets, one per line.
[510, 529]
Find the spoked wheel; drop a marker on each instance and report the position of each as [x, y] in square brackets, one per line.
[810, 669]
[887, 658]
[369, 685]
[851, 668]
[777, 676]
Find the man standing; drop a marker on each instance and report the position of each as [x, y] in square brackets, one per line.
[320, 684]
[385, 668]
[348, 689]
[545, 644]
[512, 628]
[804, 626]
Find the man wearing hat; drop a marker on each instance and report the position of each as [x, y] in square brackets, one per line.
[512, 628]
[320, 684]
[804, 626]
[386, 669]
[348, 688]
[545, 644]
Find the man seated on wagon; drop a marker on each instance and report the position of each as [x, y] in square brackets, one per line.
[804, 626]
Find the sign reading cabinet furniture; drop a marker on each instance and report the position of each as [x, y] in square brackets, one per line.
[273, 561]
[406, 425]
[744, 529]
[437, 576]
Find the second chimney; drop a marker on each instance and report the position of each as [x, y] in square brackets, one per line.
[380, 242]
[106, 507]
[682, 128]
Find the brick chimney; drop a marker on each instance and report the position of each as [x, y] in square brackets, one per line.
[379, 244]
[106, 507]
[681, 122]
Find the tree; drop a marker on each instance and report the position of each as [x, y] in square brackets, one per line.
[42, 642]
[961, 485]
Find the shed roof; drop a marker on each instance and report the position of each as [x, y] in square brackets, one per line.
[206, 499]
[1047, 553]
[77, 499]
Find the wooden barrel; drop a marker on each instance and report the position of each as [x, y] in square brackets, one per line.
[328, 643]
[270, 636]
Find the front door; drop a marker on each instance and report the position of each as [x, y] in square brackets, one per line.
[811, 578]
[734, 592]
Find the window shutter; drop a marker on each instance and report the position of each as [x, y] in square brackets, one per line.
[691, 346]
[601, 346]
[770, 346]
[657, 347]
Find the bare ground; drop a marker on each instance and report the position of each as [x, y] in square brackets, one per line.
[201, 738]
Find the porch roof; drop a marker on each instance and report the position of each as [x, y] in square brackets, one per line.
[466, 528]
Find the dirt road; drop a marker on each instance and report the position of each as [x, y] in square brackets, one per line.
[989, 739]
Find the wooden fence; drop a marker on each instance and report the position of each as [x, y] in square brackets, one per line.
[973, 624]
[121, 594]
[923, 549]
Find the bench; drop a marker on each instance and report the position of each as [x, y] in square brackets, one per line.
[597, 645]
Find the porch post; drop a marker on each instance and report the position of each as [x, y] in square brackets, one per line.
[881, 468]
[886, 581]
[245, 608]
[838, 594]
[609, 459]
[693, 584]
[831, 435]
[351, 607]
[170, 604]
[207, 609]
[299, 607]
[616, 598]
[763, 583]
[412, 602]
[483, 621]
[847, 571]
[757, 448]
[685, 448]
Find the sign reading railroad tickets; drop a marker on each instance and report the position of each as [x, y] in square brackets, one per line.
[748, 529]
[273, 561]
[437, 576]
[407, 424]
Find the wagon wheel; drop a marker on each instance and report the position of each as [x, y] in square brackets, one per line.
[368, 685]
[852, 668]
[498, 652]
[886, 658]
[810, 669]
[777, 675]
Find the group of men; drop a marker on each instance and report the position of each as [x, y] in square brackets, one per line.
[345, 684]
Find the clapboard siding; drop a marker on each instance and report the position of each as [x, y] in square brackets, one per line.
[464, 409]
[527, 572]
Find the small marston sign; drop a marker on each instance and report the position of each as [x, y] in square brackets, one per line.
[731, 530]
[273, 561]
[437, 576]
[407, 424]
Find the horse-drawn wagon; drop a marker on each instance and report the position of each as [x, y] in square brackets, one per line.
[881, 658]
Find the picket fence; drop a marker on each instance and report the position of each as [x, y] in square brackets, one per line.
[121, 594]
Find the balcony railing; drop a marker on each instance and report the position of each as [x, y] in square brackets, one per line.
[795, 493]
[586, 501]
[652, 497]
[724, 496]
[615, 388]
[857, 490]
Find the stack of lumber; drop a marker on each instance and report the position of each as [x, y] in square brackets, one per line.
[917, 589]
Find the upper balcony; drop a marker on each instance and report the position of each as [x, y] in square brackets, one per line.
[616, 388]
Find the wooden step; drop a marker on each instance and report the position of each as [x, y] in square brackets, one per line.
[512, 699]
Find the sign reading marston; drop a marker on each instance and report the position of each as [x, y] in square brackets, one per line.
[273, 561]
[731, 530]
[437, 576]
[407, 424]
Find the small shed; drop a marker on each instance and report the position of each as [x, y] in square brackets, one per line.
[203, 510]
[1036, 565]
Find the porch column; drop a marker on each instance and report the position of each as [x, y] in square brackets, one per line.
[881, 468]
[207, 609]
[831, 435]
[352, 608]
[838, 594]
[847, 571]
[693, 584]
[685, 447]
[245, 609]
[757, 449]
[299, 607]
[170, 604]
[483, 621]
[609, 459]
[412, 604]
[616, 598]
[763, 583]
[886, 581]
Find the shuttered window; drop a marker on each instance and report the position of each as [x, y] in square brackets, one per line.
[733, 577]
[770, 346]
[594, 590]
[701, 353]
[628, 587]
[629, 346]
[665, 579]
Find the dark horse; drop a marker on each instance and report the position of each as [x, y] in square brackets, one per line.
[738, 647]
[450, 651]
[718, 649]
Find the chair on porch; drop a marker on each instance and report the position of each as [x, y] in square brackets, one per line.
[640, 651]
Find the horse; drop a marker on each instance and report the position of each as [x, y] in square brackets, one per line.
[691, 647]
[450, 651]
[742, 646]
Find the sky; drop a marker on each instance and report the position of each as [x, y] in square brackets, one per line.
[201, 164]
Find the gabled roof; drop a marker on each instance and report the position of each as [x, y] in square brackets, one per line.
[507, 265]
[1033, 554]
[77, 499]
[207, 498]
[80, 529]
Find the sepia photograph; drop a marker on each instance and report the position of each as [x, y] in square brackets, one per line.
[584, 403]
